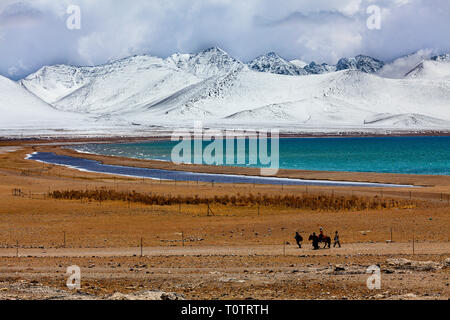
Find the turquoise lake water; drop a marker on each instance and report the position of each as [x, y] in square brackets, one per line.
[410, 155]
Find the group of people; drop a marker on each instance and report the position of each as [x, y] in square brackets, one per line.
[317, 239]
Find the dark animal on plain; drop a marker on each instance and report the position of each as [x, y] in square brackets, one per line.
[315, 240]
[326, 240]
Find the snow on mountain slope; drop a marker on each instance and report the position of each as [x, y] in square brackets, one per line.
[394, 96]
[342, 98]
[108, 89]
[210, 62]
[313, 111]
[406, 120]
[52, 83]
[298, 63]
[20, 108]
[273, 63]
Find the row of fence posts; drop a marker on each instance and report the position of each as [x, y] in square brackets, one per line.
[141, 245]
[16, 192]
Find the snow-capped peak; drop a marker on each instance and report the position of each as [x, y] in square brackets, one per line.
[361, 62]
[53, 83]
[273, 63]
[314, 68]
[214, 50]
[210, 62]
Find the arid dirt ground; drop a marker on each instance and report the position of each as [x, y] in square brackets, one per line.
[234, 253]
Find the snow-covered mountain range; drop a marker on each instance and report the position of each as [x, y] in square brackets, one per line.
[270, 91]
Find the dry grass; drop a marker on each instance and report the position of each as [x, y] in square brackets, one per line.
[304, 201]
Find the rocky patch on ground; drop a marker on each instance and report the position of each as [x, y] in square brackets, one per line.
[24, 290]
[405, 264]
[147, 295]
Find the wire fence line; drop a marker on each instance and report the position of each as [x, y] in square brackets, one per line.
[210, 209]
[181, 239]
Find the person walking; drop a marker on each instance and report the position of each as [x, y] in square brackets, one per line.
[336, 240]
[298, 238]
[315, 241]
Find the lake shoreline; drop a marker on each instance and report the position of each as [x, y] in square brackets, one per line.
[370, 177]
[61, 140]
[173, 175]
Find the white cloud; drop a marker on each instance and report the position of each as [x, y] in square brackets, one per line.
[16, 69]
[321, 30]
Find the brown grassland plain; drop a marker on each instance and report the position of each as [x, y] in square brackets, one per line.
[232, 251]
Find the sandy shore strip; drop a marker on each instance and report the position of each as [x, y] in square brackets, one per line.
[270, 250]
[4, 150]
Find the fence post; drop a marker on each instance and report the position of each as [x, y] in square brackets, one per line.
[142, 250]
[17, 248]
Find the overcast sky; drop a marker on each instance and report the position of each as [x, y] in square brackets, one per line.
[33, 33]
